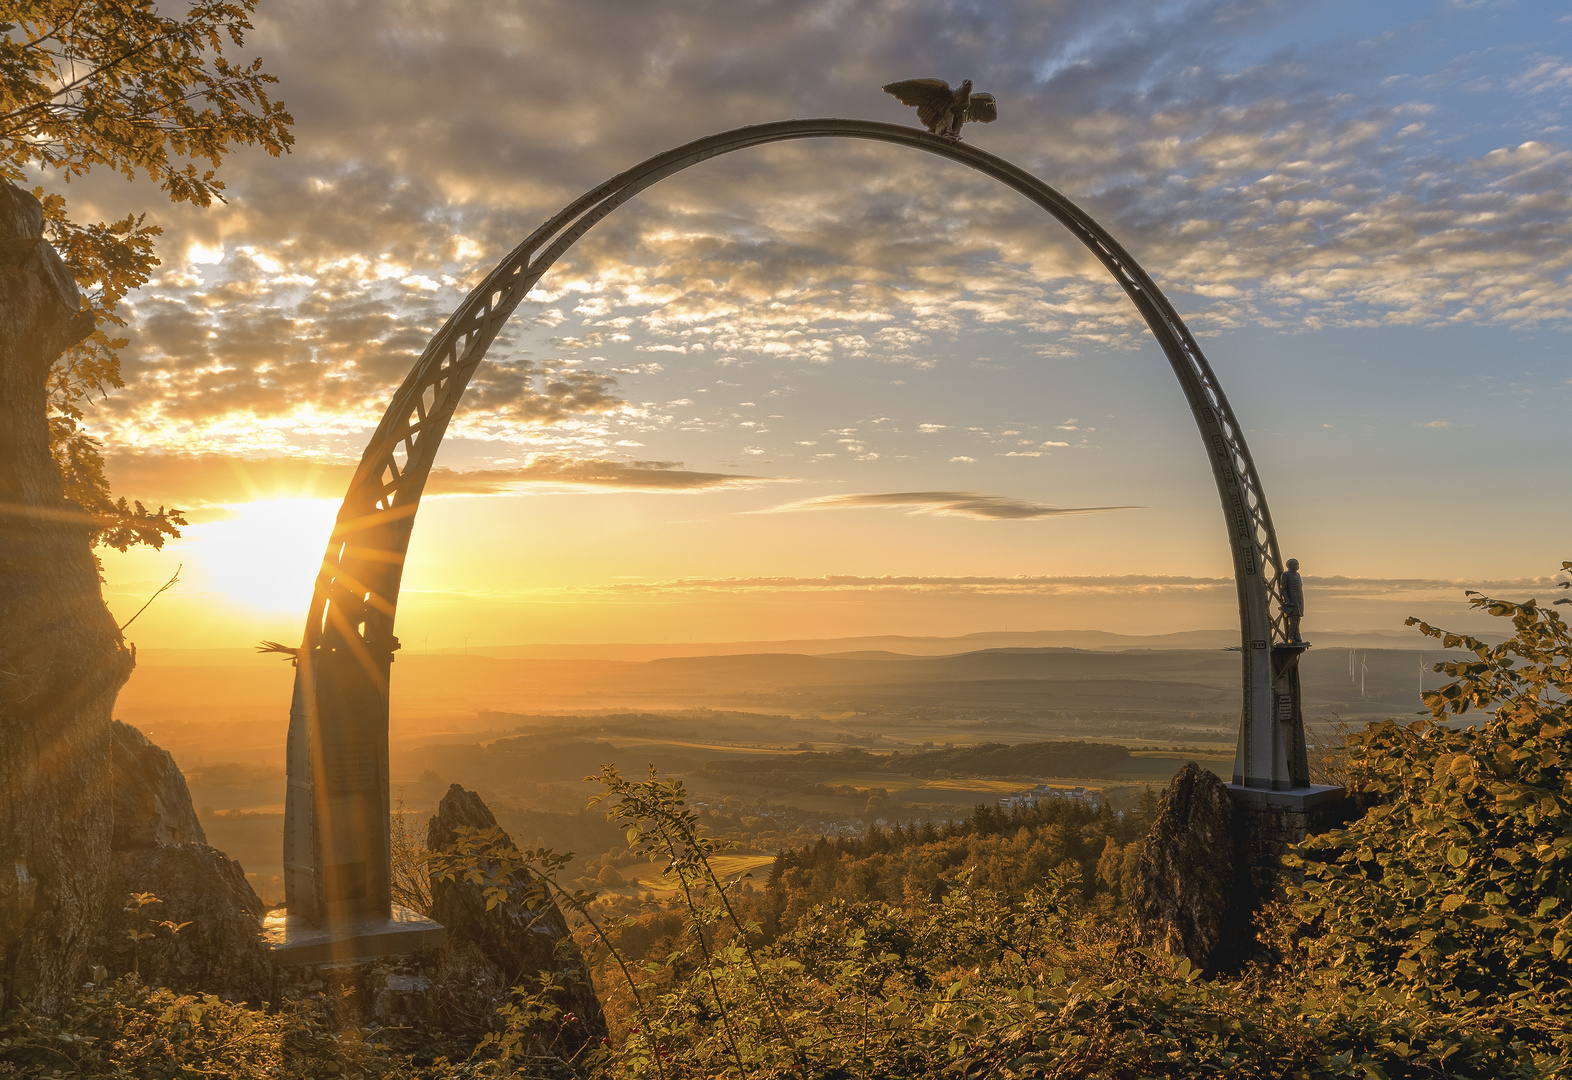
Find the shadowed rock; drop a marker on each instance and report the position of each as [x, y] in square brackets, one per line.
[1194, 898]
[217, 951]
[159, 848]
[521, 943]
[152, 804]
[62, 659]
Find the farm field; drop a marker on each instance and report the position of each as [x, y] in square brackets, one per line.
[650, 877]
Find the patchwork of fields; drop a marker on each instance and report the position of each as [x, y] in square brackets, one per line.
[779, 748]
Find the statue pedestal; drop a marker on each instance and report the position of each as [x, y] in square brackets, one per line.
[292, 940]
[1268, 822]
[1299, 800]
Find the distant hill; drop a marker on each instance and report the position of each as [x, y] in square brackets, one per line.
[1100, 640]
[238, 712]
[1068, 758]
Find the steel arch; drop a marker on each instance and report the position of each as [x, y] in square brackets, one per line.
[337, 758]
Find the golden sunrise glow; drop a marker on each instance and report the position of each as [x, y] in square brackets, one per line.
[933, 376]
[266, 557]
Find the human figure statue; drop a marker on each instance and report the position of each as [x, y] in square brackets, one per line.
[1293, 607]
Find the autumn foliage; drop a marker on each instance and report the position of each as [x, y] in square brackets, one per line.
[123, 86]
[1429, 938]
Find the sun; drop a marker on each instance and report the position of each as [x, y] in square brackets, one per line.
[267, 555]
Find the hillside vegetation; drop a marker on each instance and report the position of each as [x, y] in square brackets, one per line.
[1430, 938]
[1007, 853]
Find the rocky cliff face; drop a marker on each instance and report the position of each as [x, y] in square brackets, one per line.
[1195, 898]
[62, 659]
[201, 933]
[518, 942]
[204, 894]
[150, 800]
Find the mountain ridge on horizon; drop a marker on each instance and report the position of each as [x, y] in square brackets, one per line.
[909, 645]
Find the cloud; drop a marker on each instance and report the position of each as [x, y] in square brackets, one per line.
[531, 394]
[1290, 187]
[596, 473]
[216, 480]
[211, 480]
[945, 504]
[1024, 585]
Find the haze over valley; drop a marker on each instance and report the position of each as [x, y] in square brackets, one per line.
[844, 728]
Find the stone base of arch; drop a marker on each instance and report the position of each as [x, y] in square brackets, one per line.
[1268, 823]
[291, 939]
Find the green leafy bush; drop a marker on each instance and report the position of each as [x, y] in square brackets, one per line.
[125, 1029]
[1458, 888]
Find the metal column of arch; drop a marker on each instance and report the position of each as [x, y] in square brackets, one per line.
[335, 840]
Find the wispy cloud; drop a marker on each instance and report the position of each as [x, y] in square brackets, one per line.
[944, 504]
[585, 472]
[1326, 588]
[213, 480]
[1025, 585]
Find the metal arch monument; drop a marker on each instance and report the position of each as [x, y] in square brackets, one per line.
[336, 859]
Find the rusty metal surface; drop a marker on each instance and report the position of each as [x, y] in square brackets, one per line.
[347, 649]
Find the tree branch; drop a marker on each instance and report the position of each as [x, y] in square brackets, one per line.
[74, 83]
[162, 589]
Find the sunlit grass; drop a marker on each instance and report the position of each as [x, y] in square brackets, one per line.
[651, 876]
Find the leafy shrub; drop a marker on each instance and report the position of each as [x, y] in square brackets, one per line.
[125, 1029]
[1459, 887]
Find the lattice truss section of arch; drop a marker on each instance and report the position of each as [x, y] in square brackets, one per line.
[392, 473]
[393, 470]
[1251, 518]
[1253, 515]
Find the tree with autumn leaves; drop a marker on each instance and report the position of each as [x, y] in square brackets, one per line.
[84, 85]
[114, 84]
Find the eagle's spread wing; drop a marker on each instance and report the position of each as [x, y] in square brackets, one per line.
[983, 108]
[930, 96]
[920, 92]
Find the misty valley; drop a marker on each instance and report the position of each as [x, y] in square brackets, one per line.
[776, 749]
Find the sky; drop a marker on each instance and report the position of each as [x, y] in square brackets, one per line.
[829, 389]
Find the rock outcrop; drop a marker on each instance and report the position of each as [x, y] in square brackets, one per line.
[202, 932]
[62, 659]
[518, 942]
[152, 805]
[212, 945]
[1195, 898]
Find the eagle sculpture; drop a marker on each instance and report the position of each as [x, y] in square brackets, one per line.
[942, 110]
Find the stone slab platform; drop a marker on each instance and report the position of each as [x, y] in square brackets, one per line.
[291, 940]
[1303, 798]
